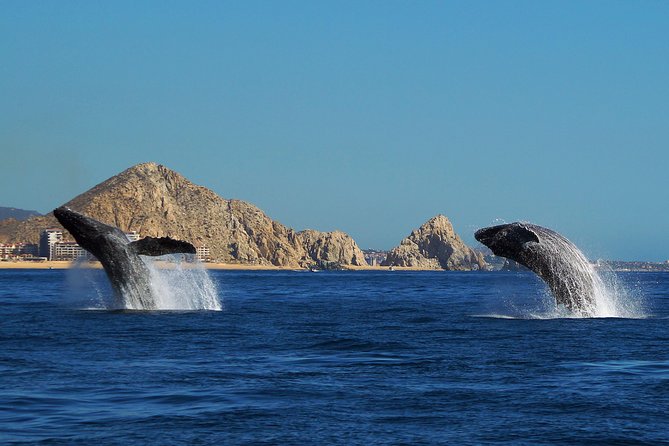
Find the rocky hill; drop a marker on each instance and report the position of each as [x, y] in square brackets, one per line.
[156, 201]
[435, 245]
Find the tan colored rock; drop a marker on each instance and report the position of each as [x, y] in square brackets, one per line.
[156, 201]
[334, 246]
[435, 245]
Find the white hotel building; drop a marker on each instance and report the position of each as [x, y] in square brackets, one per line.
[53, 247]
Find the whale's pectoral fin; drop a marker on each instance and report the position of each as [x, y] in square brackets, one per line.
[524, 235]
[152, 246]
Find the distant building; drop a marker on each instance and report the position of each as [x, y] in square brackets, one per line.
[17, 250]
[202, 253]
[374, 257]
[68, 251]
[133, 236]
[6, 250]
[47, 239]
[26, 250]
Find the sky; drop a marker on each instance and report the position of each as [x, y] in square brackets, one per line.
[364, 116]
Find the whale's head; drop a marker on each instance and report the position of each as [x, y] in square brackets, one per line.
[509, 240]
[85, 230]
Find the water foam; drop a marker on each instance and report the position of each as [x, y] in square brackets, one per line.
[607, 295]
[612, 299]
[177, 281]
[182, 285]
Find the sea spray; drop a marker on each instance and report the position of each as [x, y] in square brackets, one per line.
[616, 299]
[608, 297]
[177, 282]
[181, 282]
[89, 288]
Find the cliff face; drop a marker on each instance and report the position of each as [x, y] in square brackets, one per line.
[333, 246]
[435, 245]
[156, 201]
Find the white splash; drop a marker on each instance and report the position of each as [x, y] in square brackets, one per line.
[177, 281]
[613, 298]
[182, 285]
[578, 278]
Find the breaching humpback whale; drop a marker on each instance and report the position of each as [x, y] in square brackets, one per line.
[563, 267]
[127, 272]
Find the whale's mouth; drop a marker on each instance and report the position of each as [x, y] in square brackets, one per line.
[72, 221]
[487, 235]
[498, 238]
[507, 240]
[84, 229]
[68, 218]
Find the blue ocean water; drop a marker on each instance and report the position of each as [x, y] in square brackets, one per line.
[334, 358]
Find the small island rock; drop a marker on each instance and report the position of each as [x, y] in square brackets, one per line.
[435, 245]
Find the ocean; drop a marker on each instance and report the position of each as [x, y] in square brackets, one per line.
[297, 358]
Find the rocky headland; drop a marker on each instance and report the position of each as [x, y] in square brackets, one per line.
[155, 201]
[435, 245]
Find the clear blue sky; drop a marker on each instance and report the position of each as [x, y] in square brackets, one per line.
[369, 117]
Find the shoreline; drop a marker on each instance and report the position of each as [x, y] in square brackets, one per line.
[58, 264]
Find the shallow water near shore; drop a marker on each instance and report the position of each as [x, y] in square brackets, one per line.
[334, 358]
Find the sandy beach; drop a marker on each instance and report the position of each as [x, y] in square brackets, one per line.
[68, 264]
[37, 265]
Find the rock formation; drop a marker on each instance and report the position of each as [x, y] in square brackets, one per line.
[435, 245]
[334, 247]
[156, 201]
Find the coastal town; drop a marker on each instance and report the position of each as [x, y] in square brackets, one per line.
[228, 232]
[54, 247]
